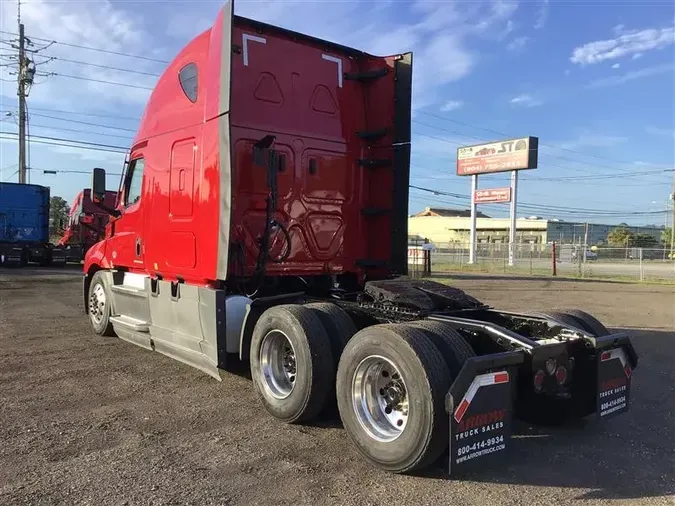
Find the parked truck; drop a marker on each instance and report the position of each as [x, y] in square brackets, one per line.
[24, 226]
[263, 218]
[86, 224]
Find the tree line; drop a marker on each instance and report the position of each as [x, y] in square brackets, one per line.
[623, 237]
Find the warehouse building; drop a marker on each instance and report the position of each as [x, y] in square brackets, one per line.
[447, 226]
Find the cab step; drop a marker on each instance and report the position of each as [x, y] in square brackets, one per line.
[130, 323]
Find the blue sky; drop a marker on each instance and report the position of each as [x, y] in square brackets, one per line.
[594, 80]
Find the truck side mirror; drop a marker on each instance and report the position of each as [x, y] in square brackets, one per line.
[98, 192]
[98, 185]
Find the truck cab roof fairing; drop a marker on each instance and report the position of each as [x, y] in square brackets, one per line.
[224, 26]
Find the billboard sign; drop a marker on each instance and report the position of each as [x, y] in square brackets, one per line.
[492, 195]
[502, 156]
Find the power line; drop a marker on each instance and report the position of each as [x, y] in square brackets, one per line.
[60, 171]
[447, 141]
[122, 148]
[80, 78]
[443, 118]
[84, 123]
[75, 130]
[533, 178]
[33, 140]
[549, 208]
[75, 113]
[89, 48]
[56, 58]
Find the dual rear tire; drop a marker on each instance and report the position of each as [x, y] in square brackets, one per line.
[389, 381]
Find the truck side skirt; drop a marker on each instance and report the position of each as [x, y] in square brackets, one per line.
[182, 321]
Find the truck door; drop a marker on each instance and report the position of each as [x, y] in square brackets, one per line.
[126, 244]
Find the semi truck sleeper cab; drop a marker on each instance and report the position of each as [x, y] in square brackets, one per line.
[263, 217]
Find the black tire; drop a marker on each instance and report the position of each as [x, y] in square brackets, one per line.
[360, 318]
[589, 322]
[427, 379]
[452, 345]
[338, 325]
[564, 317]
[314, 364]
[340, 328]
[100, 320]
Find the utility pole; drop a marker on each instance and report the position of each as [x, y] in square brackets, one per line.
[672, 224]
[23, 68]
[585, 240]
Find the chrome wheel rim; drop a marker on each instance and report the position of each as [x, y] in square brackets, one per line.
[278, 365]
[97, 303]
[380, 398]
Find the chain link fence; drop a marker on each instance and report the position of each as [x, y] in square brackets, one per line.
[635, 264]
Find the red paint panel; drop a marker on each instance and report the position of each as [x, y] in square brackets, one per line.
[181, 185]
[296, 90]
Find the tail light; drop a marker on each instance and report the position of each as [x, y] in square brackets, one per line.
[561, 375]
[539, 380]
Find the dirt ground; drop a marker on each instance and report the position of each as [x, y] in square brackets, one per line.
[90, 420]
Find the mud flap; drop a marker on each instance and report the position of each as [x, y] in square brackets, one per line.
[614, 378]
[480, 406]
[616, 361]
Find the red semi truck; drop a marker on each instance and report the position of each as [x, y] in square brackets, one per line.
[263, 218]
[86, 224]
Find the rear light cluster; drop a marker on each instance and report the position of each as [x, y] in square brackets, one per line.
[552, 369]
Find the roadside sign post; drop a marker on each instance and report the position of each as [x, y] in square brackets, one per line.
[510, 155]
[472, 234]
[512, 231]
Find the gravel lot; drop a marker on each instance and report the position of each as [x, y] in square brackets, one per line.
[89, 420]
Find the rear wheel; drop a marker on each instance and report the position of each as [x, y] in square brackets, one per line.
[589, 322]
[291, 363]
[450, 343]
[338, 325]
[340, 328]
[391, 386]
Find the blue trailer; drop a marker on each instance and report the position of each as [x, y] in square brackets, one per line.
[24, 226]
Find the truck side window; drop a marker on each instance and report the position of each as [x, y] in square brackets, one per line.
[134, 182]
[188, 81]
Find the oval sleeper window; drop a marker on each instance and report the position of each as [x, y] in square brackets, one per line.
[188, 81]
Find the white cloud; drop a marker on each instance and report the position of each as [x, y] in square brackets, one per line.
[637, 55]
[590, 140]
[441, 35]
[98, 24]
[626, 43]
[542, 16]
[616, 65]
[630, 76]
[451, 105]
[518, 43]
[525, 100]
[663, 132]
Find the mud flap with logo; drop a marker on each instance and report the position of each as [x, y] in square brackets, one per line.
[480, 405]
[614, 378]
